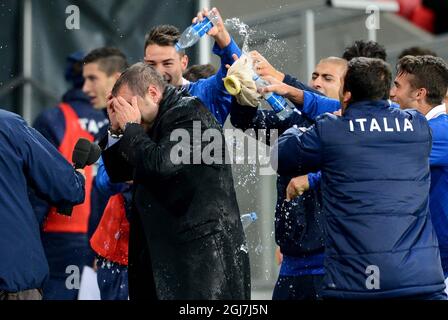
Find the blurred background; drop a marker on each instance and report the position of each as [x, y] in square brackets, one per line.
[292, 35]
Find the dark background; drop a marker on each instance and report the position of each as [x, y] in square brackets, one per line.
[102, 22]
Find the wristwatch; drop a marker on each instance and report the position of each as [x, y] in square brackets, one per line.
[116, 134]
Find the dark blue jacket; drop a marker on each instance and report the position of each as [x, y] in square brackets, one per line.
[298, 228]
[438, 194]
[298, 231]
[28, 159]
[375, 184]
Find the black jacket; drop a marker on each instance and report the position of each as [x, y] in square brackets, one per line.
[186, 240]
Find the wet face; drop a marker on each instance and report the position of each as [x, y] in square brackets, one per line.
[403, 93]
[147, 105]
[327, 78]
[97, 84]
[167, 61]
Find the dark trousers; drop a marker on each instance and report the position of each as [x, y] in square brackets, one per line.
[305, 287]
[112, 280]
[63, 250]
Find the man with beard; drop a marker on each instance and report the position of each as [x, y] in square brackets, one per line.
[186, 238]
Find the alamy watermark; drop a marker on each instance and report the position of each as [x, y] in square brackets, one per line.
[373, 277]
[233, 146]
[73, 20]
[73, 280]
[373, 20]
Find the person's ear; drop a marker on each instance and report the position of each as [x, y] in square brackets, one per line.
[347, 96]
[184, 62]
[155, 93]
[421, 94]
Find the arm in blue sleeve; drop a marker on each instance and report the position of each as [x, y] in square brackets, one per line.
[246, 117]
[50, 174]
[103, 183]
[211, 90]
[314, 180]
[439, 151]
[315, 105]
[297, 152]
[294, 82]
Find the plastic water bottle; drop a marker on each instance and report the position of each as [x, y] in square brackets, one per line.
[277, 102]
[194, 32]
[248, 218]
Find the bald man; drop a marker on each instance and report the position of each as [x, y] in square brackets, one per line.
[298, 229]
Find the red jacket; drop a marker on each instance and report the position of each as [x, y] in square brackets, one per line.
[111, 238]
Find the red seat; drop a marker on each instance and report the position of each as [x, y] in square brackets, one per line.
[424, 18]
[407, 7]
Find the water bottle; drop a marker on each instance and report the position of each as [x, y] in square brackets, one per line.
[277, 102]
[248, 218]
[194, 32]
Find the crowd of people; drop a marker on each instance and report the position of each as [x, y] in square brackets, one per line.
[362, 167]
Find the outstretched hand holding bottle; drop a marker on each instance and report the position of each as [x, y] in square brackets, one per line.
[206, 22]
[282, 89]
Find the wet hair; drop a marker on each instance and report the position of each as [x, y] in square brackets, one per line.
[162, 35]
[368, 49]
[110, 60]
[428, 72]
[417, 51]
[138, 78]
[199, 71]
[368, 79]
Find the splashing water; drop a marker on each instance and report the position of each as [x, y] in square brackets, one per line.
[243, 30]
[272, 46]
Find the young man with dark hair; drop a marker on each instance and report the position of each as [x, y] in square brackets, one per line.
[181, 246]
[417, 51]
[65, 239]
[298, 226]
[377, 223]
[368, 49]
[162, 55]
[421, 83]
[102, 67]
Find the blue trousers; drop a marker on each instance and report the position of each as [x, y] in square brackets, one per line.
[112, 280]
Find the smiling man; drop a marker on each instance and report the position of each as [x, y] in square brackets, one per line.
[162, 55]
[421, 84]
[375, 184]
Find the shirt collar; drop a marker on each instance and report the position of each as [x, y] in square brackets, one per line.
[435, 112]
[185, 82]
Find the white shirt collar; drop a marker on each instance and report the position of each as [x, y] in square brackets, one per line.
[185, 82]
[435, 112]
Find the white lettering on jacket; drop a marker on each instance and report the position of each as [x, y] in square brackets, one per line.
[383, 125]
